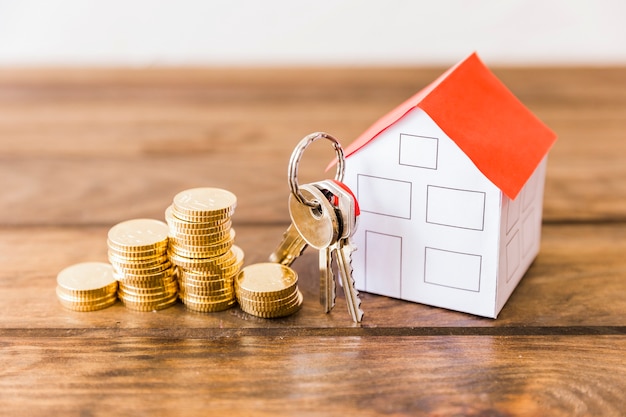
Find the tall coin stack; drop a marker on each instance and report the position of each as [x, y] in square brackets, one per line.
[138, 254]
[201, 246]
[268, 290]
[87, 286]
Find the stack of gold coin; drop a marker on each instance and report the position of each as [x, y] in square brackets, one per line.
[201, 246]
[268, 290]
[138, 254]
[87, 286]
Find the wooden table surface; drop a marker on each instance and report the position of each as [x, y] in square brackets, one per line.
[81, 150]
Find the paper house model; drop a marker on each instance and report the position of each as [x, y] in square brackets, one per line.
[450, 185]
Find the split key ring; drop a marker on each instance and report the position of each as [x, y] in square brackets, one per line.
[295, 160]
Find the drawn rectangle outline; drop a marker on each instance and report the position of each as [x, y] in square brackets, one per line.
[369, 205]
[452, 253]
[416, 138]
[367, 272]
[429, 212]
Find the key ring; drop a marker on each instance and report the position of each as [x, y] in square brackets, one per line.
[295, 160]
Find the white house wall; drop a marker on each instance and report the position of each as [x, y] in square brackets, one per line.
[429, 225]
[520, 233]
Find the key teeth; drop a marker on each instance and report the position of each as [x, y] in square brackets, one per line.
[333, 291]
[347, 250]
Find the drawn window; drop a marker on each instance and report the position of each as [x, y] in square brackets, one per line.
[455, 208]
[384, 196]
[418, 151]
[513, 256]
[452, 269]
[383, 264]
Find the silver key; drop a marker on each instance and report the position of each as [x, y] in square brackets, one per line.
[318, 226]
[322, 239]
[347, 210]
[293, 244]
[324, 223]
[342, 198]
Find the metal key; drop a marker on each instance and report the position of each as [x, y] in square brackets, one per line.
[323, 217]
[289, 248]
[314, 226]
[347, 210]
[292, 244]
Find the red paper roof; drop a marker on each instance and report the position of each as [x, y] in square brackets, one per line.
[496, 131]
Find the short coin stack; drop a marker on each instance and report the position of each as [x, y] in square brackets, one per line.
[87, 286]
[201, 246]
[268, 290]
[138, 254]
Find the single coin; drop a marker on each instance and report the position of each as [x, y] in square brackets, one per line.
[86, 277]
[204, 201]
[138, 234]
[266, 277]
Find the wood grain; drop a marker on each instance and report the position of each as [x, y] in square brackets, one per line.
[284, 376]
[82, 149]
[221, 127]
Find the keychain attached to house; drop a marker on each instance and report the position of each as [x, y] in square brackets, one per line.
[323, 215]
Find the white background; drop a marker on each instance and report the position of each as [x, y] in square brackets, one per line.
[313, 33]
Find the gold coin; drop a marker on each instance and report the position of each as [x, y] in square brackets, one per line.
[120, 263]
[197, 202]
[207, 291]
[133, 251]
[139, 269]
[83, 307]
[267, 302]
[142, 256]
[86, 278]
[138, 235]
[206, 282]
[208, 307]
[146, 277]
[268, 296]
[176, 224]
[157, 289]
[83, 299]
[147, 298]
[201, 219]
[144, 307]
[202, 240]
[190, 233]
[90, 296]
[201, 251]
[282, 312]
[209, 298]
[267, 277]
[147, 283]
[214, 264]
